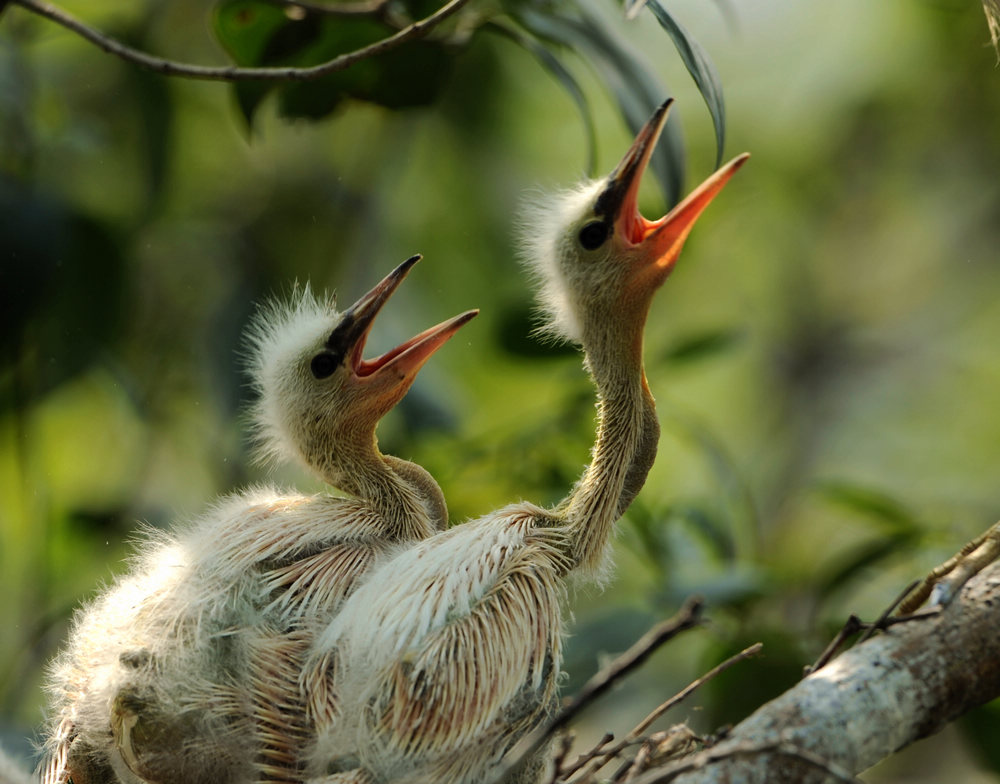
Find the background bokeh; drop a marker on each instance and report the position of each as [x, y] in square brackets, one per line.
[826, 356]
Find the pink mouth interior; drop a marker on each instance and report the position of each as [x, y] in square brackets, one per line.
[366, 367]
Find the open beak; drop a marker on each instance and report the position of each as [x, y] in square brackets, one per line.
[660, 240]
[403, 362]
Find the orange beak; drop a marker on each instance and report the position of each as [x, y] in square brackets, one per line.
[660, 241]
[402, 363]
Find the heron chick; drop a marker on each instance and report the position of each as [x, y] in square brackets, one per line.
[188, 668]
[450, 650]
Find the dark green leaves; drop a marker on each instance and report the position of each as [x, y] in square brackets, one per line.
[701, 69]
[257, 33]
[635, 88]
[894, 527]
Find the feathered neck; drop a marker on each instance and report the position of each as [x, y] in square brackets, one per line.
[625, 446]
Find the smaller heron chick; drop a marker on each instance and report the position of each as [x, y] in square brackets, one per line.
[187, 669]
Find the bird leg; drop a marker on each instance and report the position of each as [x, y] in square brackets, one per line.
[943, 583]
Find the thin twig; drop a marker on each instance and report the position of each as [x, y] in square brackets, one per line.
[565, 744]
[686, 618]
[634, 735]
[880, 624]
[672, 771]
[684, 693]
[854, 625]
[851, 627]
[230, 73]
[584, 758]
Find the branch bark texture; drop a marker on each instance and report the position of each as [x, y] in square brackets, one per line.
[866, 704]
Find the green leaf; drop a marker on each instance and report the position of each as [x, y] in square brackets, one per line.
[981, 727]
[702, 70]
[563, 75]
[876, 505]
[859, 560]
[256, 34]
[703, 345]
[245, 28]
[516, 334]
[636, 90]
[63, 275]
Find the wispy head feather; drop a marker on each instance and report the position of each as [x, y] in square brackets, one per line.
[546, 227]
[279, 333]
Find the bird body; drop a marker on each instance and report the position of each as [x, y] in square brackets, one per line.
[188, 668]
[450, 650]
[449, 645]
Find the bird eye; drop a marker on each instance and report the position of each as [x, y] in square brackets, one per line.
[323, 365]
[592, 235]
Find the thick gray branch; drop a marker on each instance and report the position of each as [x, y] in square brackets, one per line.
[866, 704]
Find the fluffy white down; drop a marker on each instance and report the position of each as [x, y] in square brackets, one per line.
[423, 587]
[185, 595]
[281, 332]
[547, 225]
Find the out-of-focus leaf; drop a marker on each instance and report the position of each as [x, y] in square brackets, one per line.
[703, 345]
[709, 527]
[735, 493]
[702, 70]
[635, 89]
[651, 528]
[859, 560]
[516, 334]
[245, 28]
[981, 728]
[563, 75]
[155, 105]
[740, 690]
[873, 504]
[607, 634]
[60, 286]
[409, 75]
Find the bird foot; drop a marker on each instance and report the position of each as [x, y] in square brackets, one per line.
[943, 583]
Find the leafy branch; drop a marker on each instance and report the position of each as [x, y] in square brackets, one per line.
[393, 55]
[412, 32]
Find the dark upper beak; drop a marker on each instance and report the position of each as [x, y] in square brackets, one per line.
[349, 337]
[659, 241]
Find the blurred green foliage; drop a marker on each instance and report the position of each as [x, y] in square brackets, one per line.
[825, 356]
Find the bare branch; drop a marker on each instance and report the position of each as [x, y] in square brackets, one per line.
[412, 32]
[807, 760]
[686, 618]
[873, 700]
[635, 734]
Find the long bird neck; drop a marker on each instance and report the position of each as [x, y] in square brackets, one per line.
[627, 436]
[403, 494]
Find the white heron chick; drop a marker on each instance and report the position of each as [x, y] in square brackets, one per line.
[187, 669]
[450, 650]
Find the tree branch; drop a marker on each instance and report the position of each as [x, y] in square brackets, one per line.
[686, 618]
[412, 32]
[873, 700]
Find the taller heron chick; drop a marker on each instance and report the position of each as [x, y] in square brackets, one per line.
[187, 669]
[451, 649]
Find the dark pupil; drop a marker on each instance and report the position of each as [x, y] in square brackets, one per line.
[323, 365]
[592, 235]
